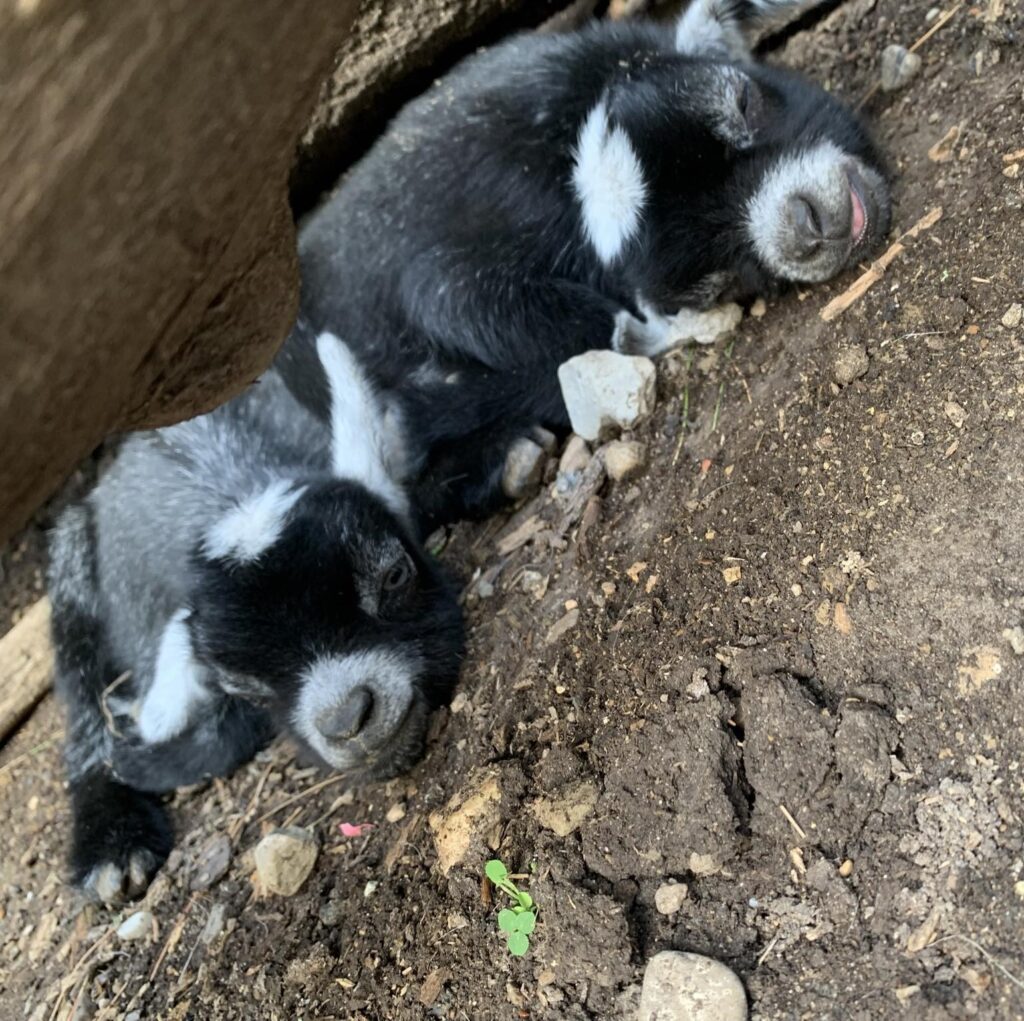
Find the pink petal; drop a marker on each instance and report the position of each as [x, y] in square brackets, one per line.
[349, 829]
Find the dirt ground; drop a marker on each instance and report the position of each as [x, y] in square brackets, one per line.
[779, 667]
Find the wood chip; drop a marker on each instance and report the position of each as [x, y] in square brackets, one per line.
[841, 619]
[520, 536]
[432, 986]
[942, 150]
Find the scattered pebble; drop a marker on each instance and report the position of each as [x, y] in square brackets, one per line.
[851, 363]
[942, 150]
[732, 575]
[575, 457]
[211, 863]
[605, 389]
[1012, 171]
[396, 813]
[524, 466]
[624, 459]
[563, 626]
[846, 869]
[564, 813]
[690, 987]
[705, 327]
[759, 308]
[136, 926]
[1015, 636]
[470, 815]
[899, 66]
[285, 858]
[214, 924]
[1013, 315]
[669, 897]
[955, 413]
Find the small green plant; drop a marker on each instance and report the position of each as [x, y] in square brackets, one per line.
[518, 921]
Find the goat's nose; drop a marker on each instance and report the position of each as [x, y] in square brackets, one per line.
[809, 225]
[346, 719]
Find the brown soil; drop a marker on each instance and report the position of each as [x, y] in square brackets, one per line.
[826, 747]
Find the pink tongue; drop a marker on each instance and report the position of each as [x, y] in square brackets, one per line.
[858, 217]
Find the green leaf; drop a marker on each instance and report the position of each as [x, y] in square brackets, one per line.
[525, 901]
[496, 871]
[518, 944]
[507, 919]
[526, 923]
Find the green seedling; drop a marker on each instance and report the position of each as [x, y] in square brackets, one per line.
[518, 921]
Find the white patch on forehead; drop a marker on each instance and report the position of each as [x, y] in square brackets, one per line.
[251, 528]
[364, 440]
[609, 183]
[819, 171]
[390, 677]
[177, 689]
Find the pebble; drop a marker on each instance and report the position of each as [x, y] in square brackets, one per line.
[396, 813]
[214, 924]
[899, 66]
[669, 897]
[285, 858]
[212, 862]
[688, 987]
[606, 390]
[524, 467]
[575, 457]
[1015, 636]
[851, 363]
[624, 459]
[1013, 315]
[136, 926]
[759, 308]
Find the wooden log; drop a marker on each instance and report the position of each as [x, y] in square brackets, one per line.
[26, 666]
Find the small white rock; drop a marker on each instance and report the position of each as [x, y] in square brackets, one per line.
[524, 466]
[899, 65]
[1013, 315]
[285, 858]
[624, 459]
[669, 897]
[605, 389]
[136, 926]
[1015, 636]
[705, 327]
[689, 987]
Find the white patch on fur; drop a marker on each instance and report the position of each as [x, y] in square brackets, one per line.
[366, 439]
[389, 675]
[177, 689]
[248, 530]
[609, 183]
[819, 171]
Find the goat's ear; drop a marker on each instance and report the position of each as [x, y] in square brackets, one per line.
[723, 28]
[609, 182]
[359, 432]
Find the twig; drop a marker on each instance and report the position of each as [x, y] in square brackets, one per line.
[109, 690]
[235, 829]
[173, 937]
[302, 794]
[797, 828]
[80, 963]
[939, 22]
[981, 950]
[763, 956]
[684, 415]
[870, 277]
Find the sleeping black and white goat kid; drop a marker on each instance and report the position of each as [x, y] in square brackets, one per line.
[231, 577]
[564, 192]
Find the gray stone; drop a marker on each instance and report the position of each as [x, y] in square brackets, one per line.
[689, 987]
[669, 897]
[605, 390]
[524, 466]
[899, 65]
[575, 457]
[285, 858]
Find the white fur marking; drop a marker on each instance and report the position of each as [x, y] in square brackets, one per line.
[388, 675]
[177, 687]
[712, 28]
[363, 438]
[819, 171]
[609, 183]
[251, 528]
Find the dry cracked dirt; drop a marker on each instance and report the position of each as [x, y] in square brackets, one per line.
[779, 668]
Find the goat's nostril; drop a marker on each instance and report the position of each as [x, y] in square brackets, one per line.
[345, 720]
[807, 227]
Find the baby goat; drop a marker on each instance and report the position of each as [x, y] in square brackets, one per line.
[231, 577]
[564, 192]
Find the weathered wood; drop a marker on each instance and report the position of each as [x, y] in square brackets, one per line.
[26, 666]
